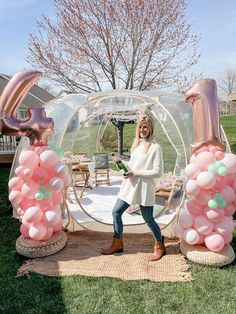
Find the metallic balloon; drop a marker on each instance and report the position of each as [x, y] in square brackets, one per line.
[37, 127]
[203, 96]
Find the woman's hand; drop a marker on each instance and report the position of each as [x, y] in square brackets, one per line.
[115, 159]
[128, 175]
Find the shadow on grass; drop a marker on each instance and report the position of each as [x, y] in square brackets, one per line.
[32, 294]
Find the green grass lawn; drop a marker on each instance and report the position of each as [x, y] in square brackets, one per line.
[213, 290]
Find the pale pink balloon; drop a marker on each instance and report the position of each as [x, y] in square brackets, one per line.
[191, 236]
[57, 197]
[229, 210]
[15, 183]
[194, 208]
[27, 173]
[228, 237]
[225, 226]
[185, 219]
[221, 181]
[24, 231]
[38, 150]
[26, 203]
[191, 171]
[203, 197]
[32, 215]
[204, 159]
[48, 234]
[178, 231]
[201, 149]
[28, 159]
[230, 162]
[234, 184]
[228, 193]
[29, 189]
[58, 227]
[56, 184]
[201, 239]
[61, 170]
[45, 204]
[19, 171]
[192, 159]
[214, 242]
[219, 155]
[51, 217]
[215, 214]
[37, 232]
[48, 159]
[191, 187]
[206, 180]
[40, 175]
[67, 180]
[15, 197]
[203, 225]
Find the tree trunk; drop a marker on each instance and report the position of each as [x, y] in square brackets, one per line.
[120, 128]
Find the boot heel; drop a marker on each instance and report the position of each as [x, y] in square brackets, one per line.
[119, 251]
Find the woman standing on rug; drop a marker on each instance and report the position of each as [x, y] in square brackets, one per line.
[138, 187]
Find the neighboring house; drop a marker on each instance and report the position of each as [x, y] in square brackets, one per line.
[36, 97]
[231, 101]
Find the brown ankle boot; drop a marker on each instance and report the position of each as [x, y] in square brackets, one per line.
[159, 251]
[116, 247]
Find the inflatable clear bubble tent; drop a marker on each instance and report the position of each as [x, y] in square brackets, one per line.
[83, 123]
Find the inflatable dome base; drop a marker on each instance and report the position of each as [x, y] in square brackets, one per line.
[201, 255]
[31, 248]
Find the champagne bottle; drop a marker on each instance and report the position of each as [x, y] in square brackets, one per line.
[121, 166]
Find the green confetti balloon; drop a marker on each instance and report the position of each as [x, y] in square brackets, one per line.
[212, 204]
[39, 196]
[222, 204]
[219, 164]
[219, 197]
[212, 169]
[222, 171]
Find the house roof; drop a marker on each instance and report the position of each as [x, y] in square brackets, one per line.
[36, 97]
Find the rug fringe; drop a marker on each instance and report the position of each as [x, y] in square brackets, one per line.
[25, 269]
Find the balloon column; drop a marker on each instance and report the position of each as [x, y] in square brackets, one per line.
[36, 188]
[210, 176]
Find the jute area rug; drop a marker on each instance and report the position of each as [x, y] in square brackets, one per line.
[81, 256]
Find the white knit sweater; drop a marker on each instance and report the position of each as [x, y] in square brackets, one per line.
[146, 167]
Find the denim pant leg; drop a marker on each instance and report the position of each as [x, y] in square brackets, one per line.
[147, 213]
[118, 210]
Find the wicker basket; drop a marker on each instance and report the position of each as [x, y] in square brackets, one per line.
[201, 255]
[31, 248]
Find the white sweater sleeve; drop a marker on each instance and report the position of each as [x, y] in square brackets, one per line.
[156, 171]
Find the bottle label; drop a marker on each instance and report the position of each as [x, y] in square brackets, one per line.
[122, 171]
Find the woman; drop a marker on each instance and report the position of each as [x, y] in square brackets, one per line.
[138, 187]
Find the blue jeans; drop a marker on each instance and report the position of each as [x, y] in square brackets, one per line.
[147, 213]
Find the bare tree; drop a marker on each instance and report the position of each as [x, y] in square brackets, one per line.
[131, 44]
[228, 85]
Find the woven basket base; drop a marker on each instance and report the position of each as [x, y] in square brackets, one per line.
[201, 255]
[31, 248]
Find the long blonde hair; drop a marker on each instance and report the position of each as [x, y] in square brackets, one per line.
[149, 121]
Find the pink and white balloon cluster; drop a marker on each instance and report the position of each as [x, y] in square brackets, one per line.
[36, 190]
[211, 185]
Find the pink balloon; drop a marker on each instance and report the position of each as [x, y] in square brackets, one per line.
[26, 203]
[67, 180]
[185, 219]
[234, 184]
[28, 159]
[191, 236]
[48, 234]
[61, 170]
[29, 189]
[27, 173]
[206, 180]
[40, 175]
[203, 197]
[228, 237]
[52, 217]
[38, 150]
[192, 159]
[229, 210]
[230, 162]
[48, 159]
[19, 171]
[56, 184]
[220, 182]
[57, 197]
[58, 227]
[45, 204]
[225, 226]
[203, 225]
[228, 193]
[15, 197]
[201, 149]
[215, 214]
[214, 242]
[178, 231]
[191, 187]
[219, 155]
[15, 183]
[37, 231]
[191, 171]
[230, 179]
[194, 208]
[204, 159]
[32, 215]
[201, 239]
[24, 231]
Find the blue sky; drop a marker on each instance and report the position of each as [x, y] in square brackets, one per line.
[213, 19]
